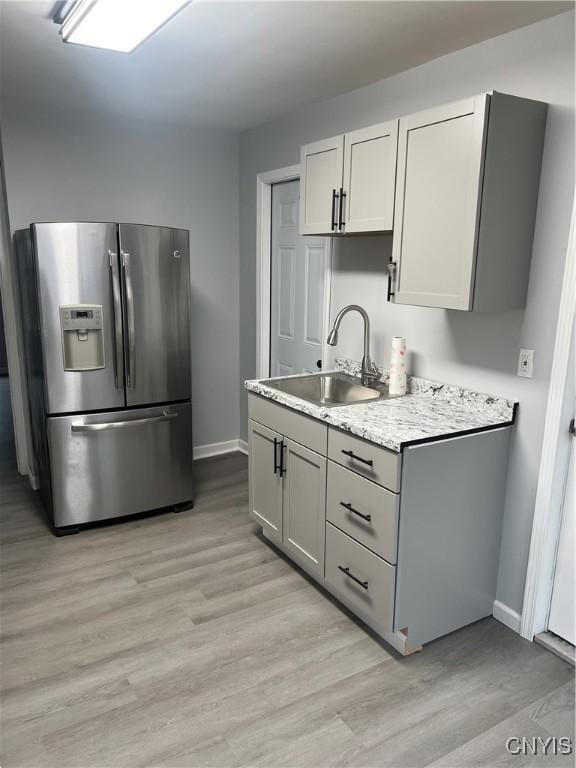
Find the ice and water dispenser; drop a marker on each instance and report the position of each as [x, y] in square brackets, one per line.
[82, 337]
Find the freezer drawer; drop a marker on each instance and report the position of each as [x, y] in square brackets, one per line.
[113, 464]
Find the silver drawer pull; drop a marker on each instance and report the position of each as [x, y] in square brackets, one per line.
[346, 571]
[120, 424]
[352, 455]
[350, 508]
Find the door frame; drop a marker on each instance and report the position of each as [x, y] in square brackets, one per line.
[264, 183]
[553, 463]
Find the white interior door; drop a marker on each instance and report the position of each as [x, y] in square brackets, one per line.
[562, 617]
[298, 276]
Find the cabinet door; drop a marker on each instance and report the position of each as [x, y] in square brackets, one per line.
[265, 483]
[304, 506]
[370, 178]
[440, 159]
[320, 182]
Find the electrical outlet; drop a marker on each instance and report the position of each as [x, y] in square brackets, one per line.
[526, 363]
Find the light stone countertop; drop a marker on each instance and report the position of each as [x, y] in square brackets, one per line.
[431, 411]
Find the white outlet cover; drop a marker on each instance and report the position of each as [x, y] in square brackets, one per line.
[526, 363]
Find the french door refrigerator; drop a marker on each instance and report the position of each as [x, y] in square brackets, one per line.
[106, 316]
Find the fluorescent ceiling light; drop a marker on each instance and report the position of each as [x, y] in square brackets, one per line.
[118, 25]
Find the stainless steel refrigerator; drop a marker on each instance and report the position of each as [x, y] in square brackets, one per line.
[106, 318]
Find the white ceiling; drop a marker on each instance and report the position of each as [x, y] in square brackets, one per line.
[237, 64]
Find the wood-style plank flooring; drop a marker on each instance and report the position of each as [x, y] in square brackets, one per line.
[186, 640]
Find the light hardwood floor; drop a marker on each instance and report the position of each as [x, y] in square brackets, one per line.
[185, 640]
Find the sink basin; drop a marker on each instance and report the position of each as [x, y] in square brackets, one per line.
[329, 389]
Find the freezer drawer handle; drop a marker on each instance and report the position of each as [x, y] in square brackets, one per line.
[346, 572]
[120, 424]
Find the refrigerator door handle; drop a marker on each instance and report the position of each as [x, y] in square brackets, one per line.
[117, 317]
[129, 293]
[80, 427]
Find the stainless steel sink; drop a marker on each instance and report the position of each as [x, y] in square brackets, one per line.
[329, 389]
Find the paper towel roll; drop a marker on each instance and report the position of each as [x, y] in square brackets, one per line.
[397, 384]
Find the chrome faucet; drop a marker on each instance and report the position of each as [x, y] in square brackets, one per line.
[369, 370]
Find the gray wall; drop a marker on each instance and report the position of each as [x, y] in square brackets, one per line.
[3, 355]
[80, 167]
[478, 351]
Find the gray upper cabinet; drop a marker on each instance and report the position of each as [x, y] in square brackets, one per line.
[320, 183]
[457, 185]
[304, 506]
[439, 187]
[265, 481]
[466, 196]
[369, 178]
[347, 182]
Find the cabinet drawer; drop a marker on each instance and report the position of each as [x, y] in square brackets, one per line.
[289, 423]
[365, 511]
[377, 464]
[362, 580]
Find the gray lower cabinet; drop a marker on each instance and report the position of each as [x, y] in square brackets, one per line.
[408, 541]
[265, 482]
[287, 495]
[304, 502]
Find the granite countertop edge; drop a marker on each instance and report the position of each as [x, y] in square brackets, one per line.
[429, 411]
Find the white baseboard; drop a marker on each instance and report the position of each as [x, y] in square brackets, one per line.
[219, 449]
[507, 616]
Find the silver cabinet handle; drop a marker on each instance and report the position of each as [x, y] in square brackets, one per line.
[79, 427]
[129, 293]
[117, 317]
